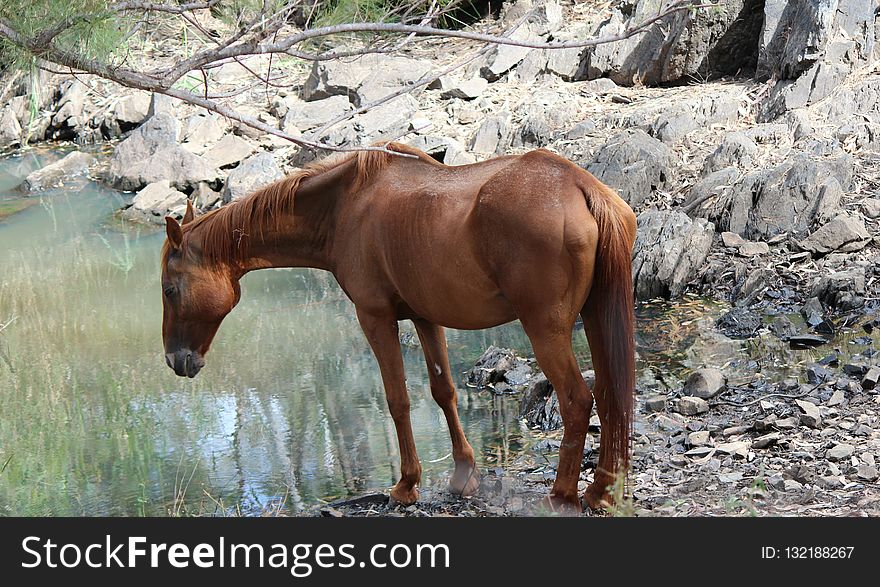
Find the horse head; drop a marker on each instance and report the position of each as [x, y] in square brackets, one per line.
[196, 296]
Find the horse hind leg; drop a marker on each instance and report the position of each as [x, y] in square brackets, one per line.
[465, 478]
[556, 358]
[611, 469]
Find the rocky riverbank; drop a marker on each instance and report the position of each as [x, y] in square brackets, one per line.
[746, 139]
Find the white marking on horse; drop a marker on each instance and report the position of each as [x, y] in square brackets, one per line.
[437, 369]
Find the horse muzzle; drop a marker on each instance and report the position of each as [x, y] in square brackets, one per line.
[185, 362]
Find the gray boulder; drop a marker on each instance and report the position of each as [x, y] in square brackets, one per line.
[53, 175]
[787, 198]
[844, 290]
[10, 129]
[704, 383]
[735, 150]
[254, 172]
[680, 46]
[156, 201]
[75, 110]
[670, 249]
[363, 79]
[634, 164]
[151, 153]
[844, 233]
[493, 136]
[127, 114]
[539, 405]
[544, 116]
[811, 47]
[203, 129]
[228, 151]
[503, 58]
[797, 34]
[387, 121]
[304, 116]
[467, 89]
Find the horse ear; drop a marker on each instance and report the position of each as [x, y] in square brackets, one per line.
[190, 213]
[175, 234]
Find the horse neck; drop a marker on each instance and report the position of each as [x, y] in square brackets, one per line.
[301, 236]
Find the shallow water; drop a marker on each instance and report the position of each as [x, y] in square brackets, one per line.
[289, 410]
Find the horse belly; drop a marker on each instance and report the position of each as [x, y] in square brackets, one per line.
[452, 290]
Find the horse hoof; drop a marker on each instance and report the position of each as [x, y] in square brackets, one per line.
[404, 496]
[561, 506]
[596, 497]
[465, 481]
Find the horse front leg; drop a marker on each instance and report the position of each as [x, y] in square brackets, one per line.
[465, 479]
[382, 334]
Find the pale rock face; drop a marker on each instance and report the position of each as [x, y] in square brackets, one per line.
[154, 202]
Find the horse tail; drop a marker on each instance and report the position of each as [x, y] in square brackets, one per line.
[609, 324]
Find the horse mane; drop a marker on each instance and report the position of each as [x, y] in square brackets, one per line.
[225, 233]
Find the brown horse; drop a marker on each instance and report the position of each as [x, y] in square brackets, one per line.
[530, 236]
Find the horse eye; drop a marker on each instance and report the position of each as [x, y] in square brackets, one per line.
[169, 291]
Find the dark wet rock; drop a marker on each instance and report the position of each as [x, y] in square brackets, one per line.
[825, 328]
[500, 370]
[655, 403]
[364, 79]
[817, 373]
[844, 233]
[806, 341]
[151, 153]
[844, 290]
[670, 248]
[704, 383]
[739, 323]
[540, 406]
[783, 327]
[634, 164]
[73, 117]
[55, 174]
[813, 312]
[682, 45]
